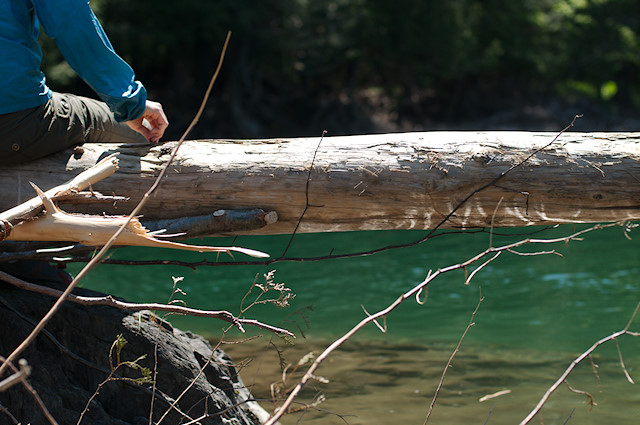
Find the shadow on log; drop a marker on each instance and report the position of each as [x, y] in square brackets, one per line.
[71, 359]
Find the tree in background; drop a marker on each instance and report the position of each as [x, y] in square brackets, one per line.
[296, 67]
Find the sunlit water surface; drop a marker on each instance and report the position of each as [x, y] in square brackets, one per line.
[538, 314]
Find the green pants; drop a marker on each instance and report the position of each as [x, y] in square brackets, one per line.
[64, 121]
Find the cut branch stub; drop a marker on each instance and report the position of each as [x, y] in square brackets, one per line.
[5, 229]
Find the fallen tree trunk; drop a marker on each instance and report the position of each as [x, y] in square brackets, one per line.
[370, 182]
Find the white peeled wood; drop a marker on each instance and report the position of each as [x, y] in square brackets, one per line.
[96, 230]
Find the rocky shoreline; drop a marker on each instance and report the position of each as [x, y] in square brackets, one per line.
[71, 359]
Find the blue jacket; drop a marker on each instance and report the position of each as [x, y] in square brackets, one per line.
[82, 41]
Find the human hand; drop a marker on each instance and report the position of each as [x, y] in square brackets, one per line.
[152, 123]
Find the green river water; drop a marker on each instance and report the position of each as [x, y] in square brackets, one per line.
[538, 314]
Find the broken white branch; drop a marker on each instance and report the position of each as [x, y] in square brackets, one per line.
[100, 171]
[94, 230]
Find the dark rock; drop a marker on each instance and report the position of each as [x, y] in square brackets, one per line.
[71, 359]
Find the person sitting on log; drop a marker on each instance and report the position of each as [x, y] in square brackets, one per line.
[36, 122]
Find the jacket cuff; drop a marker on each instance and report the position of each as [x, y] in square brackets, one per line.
[130, 105]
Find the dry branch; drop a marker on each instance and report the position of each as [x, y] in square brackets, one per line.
[56, 225]
[579, 359]
[453, 354]
[127, 306]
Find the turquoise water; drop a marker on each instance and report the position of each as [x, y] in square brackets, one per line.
[542, 308]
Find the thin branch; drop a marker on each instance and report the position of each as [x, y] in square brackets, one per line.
[574, 363]
[448, 365]
[306, 194]
[6, 412]
[195, 264]
[624, 368]
[20, 376]
[110, 301]
[569, 417]
[480, 267]
[489, 414]
[590, 400]
[594, 369]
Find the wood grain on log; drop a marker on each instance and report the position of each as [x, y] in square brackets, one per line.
[369, 182]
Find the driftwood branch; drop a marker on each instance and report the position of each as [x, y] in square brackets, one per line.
[219, 222]
[56, 225]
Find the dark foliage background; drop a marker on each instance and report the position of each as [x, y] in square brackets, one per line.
[297, 67]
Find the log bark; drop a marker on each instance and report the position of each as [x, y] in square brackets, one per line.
[368, 182]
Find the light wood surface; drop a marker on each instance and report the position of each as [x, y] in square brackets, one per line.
[367, 182]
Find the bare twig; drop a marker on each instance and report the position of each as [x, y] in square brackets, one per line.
[306, 194]
[590, 400]
[448, 365]
[574, 363]
[110, 301]
[624, 368]
[494, 395]
[6, 412]
[569, 417]
[20, 376]
[480, 267]
[594, 368]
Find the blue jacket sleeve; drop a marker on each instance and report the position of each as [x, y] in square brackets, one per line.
[84, 44]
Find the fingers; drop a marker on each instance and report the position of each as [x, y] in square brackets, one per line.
[137, 125]
[152, 123]
[157, 121]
